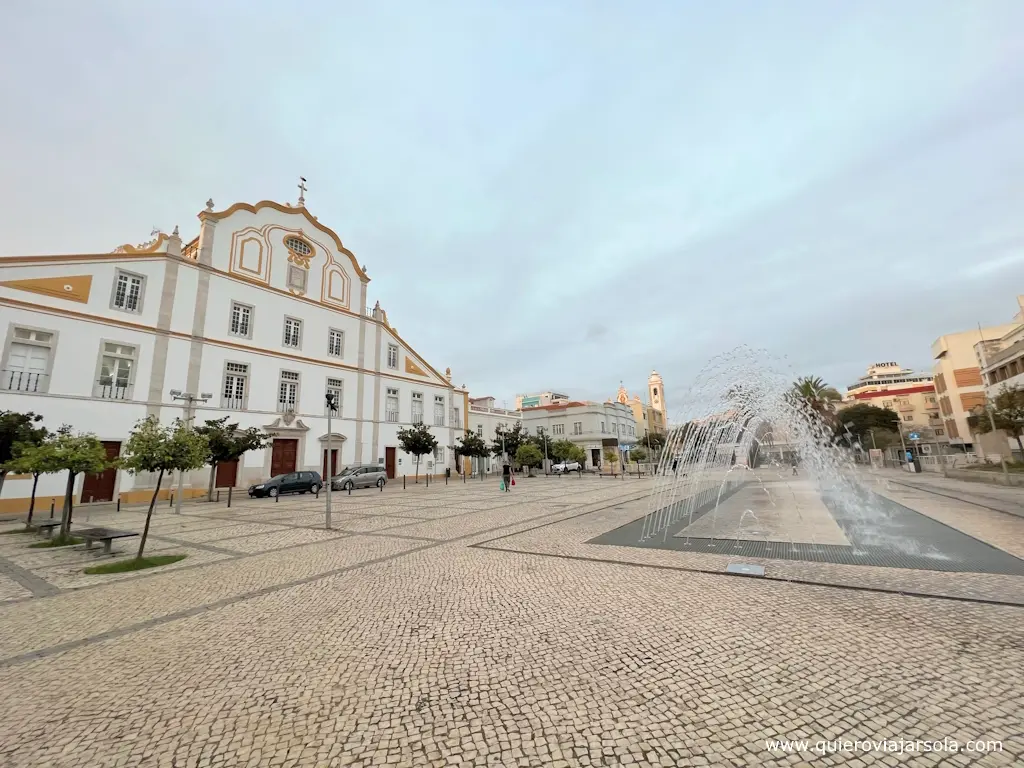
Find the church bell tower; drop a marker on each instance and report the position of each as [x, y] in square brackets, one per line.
[656, 392]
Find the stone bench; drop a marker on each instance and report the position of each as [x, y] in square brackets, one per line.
[46, 525]
[106, 535]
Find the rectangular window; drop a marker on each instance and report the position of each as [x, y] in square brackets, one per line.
[393, 356]
[909, 417]
[241, 320]
[602, 427]
[458, 418]
[887, 403]
[438, 410]
[335, 342]
[296, 278]
[236, 386]
[391, 405]
[417, 407]
[577, 427]
[479, 430]
[439, 455]
[558, 429]
[127, 295]
[940, 431]
[292, 332]
[117, 371]
[28, 359]
[334, 387]
[288, 392]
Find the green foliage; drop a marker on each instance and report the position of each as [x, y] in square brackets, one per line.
[417, 441]
[816, 395]
[513, 438]
[34, 459]
[612, 457]
[155, 447]
[866, 417]
[75, 453]
[883, 438]
[655, 440]
[576, 454]
[1008, 414]
[17, 428]
[60, 540]
[638, 454]
[471, 445]
[529, 455]
[561, 450]
[135, 564]
[227, 442]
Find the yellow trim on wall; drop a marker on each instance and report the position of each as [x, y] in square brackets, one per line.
[70, 288]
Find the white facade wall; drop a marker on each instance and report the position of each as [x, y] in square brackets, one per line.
[485, 421]
[180, 337]
[595, 427]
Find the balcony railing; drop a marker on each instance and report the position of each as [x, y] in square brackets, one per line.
[233, 403]
[392, 416]
[111, 389]
[23, 381]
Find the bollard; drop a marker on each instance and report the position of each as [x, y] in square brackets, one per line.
[218, 495]
[403, 482]
[446, 479]
[277, 499]
[318, 493]
[229, 497]
[52, 502]
[463, 474]
[428, 481]
[381, 486]
[350, 489]
[118, 503]
[170, 499]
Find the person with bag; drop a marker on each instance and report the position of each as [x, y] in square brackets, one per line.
[506, 477]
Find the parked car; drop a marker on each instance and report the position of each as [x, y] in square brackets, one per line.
[293, 482]
[360, 476]
[566, 466]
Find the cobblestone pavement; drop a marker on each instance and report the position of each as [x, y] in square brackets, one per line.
[463, 627]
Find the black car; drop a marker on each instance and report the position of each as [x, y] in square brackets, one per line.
[293, 482]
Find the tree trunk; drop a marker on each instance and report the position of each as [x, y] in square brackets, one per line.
[213, 476]
[65, 515]
[3, 475]
[32, 501]
[1021, 446]
[417, 469]
[149, 515]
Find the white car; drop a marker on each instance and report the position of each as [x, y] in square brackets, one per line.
[566, 466]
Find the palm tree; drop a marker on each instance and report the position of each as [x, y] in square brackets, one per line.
[818, 396]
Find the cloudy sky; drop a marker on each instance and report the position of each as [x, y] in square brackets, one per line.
[557, 193]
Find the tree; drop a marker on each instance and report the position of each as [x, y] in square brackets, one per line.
[471, 445]
[655, 441]
[507, 440]
[417, 441]
[35, 460]
[1008, 414]
[228, 443]
[817, 397]
[75, 454]
[866, 419]
[612, 457]
[529, 456]
[154, 447]
[638, 454]
[577, 454]
[561, 450]
[17, 428]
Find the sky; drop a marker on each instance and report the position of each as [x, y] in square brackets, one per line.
[557, 193]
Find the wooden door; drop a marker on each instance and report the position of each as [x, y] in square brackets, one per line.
[227, 474]
[334, 464]
[100, 487]
[283, 456]
[389, 462]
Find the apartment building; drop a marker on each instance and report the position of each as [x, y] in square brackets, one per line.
[911, 395]
[539, 399]
[484, 419]
[958, 377]
[595, 427]
[258, 317]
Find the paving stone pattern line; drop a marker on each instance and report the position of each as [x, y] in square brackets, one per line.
[270, 589]
[38, 586]
[961, 497]
[195, 545]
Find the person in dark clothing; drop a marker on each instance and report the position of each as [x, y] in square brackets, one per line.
[675, 465]
[506, 477]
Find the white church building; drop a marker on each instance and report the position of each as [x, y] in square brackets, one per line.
[259, 316]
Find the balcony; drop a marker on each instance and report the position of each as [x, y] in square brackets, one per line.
[233, 403]
[392, 416]
[23, 381]
[113, 389]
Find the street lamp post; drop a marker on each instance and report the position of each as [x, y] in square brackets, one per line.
[190, 401]
[331, 408]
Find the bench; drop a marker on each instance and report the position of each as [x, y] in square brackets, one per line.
[106, 535]
[46, 525]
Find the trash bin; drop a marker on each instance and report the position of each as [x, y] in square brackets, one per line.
[447, 472]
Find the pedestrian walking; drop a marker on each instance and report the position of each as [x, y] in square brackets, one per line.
[506, 476]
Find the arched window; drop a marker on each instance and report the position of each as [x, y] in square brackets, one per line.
[299, 246]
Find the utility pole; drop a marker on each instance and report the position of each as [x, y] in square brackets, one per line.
[331, 408]
[190, 401]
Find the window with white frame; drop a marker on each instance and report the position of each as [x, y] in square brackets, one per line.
[417, 407]
[117, 371]
[28, 360]
[458, 418]
[479, 430]
[334, 387]
[577, 427]
[292, 332]
[438, 410]
[558, 429]
[288, 392]
[296, 278]
[236, 386]
[602, 428]
[439, 455]
[391, 405]
[335, 342]
[127, 294]
[240, 323]
[393, 356]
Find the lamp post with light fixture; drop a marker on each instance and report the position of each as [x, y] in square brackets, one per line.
[190, 401]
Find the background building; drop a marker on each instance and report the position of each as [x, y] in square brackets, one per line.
[540, 398]
[595, 427]
[484, 419]
[650, 417]
[909, 394]
[958, 381]
[265, 311]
